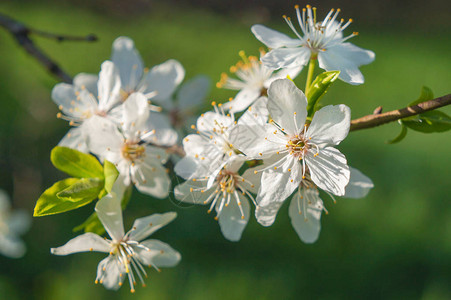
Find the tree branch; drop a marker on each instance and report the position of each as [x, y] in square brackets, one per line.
[22, 33]
[374, 120]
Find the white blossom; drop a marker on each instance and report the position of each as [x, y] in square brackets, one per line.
[158, 83]
[78, 104]
[318, 39]
[12, 225]
[253, 81]
[136, 146]
[290, 148]
[128, 252]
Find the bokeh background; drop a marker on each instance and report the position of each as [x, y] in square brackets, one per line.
[394, 244]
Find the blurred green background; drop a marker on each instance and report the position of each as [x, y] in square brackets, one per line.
[394, 244]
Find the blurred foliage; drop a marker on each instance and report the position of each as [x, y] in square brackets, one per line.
[395, 244]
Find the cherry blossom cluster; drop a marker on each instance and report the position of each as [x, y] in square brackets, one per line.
[251, 154]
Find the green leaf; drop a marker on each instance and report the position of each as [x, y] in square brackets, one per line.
[318, 88]
[92, 224]
[50, 204]
[110, 174]
[425, 95]
[428, 122]
[82, 190]
[400, 137]
[76, 163]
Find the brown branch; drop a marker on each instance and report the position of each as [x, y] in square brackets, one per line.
[394, 115]
[22, 33]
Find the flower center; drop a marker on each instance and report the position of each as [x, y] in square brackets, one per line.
[227, 181]
[298, 146]
[133, 151]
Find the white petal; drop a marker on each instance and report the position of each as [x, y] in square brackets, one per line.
[164, 79]
[193, 92]
[286, 58]
[88, 81]
[284, 73]
[232, 221]
[151, 178]
[143, 227]
[255, 139]
[211, 121]
[83, 243]
[72, 101]
[306, 223]
[160, 254]
[272, 38]
[164, 134]
[330, 125]
[266, 215]
[287, 105]
[75, 138]
[329, 170]
[346, 58]
[242, 100]
[109, 86]
[359, 185]
[12, 246]
[128, 61]
[278, 184]
[135, 114]
[108, 273]
[109, 211]
[103, 137]
[257, 114]
[190, 192]
[186, 167]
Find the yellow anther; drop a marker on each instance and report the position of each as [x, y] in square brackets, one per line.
[213, 103]
[193, 126]
[275, 168]
[255, 172]
[289, 170]
[296, 6]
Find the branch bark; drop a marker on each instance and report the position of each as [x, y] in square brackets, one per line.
[375, 120]
[21, 34]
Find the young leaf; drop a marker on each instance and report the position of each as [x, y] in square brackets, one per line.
[425, 95]
[50, 204]
[76, 163]
[111, 174]
[428, 122]
[400, 137]
[82, 190]
[318, 88]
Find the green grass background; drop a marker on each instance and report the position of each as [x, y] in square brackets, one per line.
[394, 244]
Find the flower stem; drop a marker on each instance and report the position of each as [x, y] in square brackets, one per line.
[311, 69]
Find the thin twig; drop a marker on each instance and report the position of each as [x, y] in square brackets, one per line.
[22, 35]
[374, 120]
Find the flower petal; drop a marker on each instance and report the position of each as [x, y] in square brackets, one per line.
[135, 114]
[109, 273]
[151, 178]
[346, 58]
[128, 61]
[233, 220]
[164, 134]
[286, 58]
[72, 101]
[86, 81]
[257, 114]
[329, 170]
[193, 92]
[83, 243]
[287, 105]
[306, 223]
[163, 79]
[143, 227]
[359, 185]
[103, 137]
[108, 86]
[75, 138]
[273, 38]
[109, 212]
[160, 254]
[190, 192]
[330, 125]
[242, 100]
